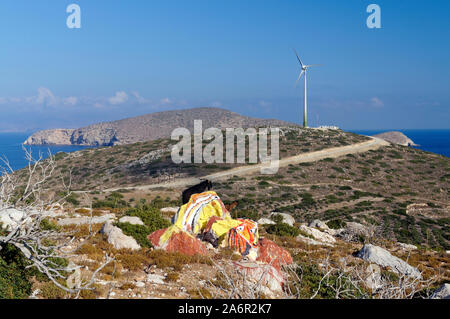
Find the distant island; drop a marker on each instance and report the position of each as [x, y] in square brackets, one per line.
[147, 127]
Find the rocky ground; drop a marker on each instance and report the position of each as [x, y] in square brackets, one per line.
[314, 250]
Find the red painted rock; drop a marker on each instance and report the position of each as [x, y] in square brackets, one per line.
[180, 242]
[271, 253]
[155, 236]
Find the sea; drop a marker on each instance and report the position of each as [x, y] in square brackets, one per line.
[435, 141]
[11, 149]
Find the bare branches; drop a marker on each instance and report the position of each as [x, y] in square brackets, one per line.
[22, 201]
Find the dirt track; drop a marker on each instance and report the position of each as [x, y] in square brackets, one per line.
[334, 152]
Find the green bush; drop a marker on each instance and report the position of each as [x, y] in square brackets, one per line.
[138, 232]
[14, 277]
[336, 224]
[151, 216]
[152, 219]
[282, 229]
[246, 213]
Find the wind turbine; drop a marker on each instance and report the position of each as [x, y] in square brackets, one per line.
[304, 70]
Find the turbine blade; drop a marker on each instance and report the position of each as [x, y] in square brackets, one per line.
[308, 66]
[301, 73]
[298, 58]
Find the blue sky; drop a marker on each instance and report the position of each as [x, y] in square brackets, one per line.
[135, 57]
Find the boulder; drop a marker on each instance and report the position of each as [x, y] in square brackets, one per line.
[11, 218]
[262, 273]
[322, 226]
[271, 253]
[442, 292]
[180, 241]
[316, 223]
[133, 220]
[287, 219]
[265, 221]
[311, 241]
[352, 231]
[407, 246]
[117, 238]
[382, 257]
[317, 234]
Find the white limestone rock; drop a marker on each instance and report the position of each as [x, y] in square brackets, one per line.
[382, 257]
[287, 219]
[133, 220]
[318, 235]
[117, 238]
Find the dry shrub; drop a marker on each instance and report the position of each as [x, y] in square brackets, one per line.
[201, 293]
[82, 231]
[112, 271]
[50, 291]
[172, 277]
[95, 293]
[127, 285]
[132, 259]
[91, 251]
[229, 254]
[220, 281]
[174, 260]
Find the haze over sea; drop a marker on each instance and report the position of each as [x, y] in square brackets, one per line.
[435, 141]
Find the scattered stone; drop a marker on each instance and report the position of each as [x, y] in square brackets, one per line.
[442, 292]
[407, 246]
[117, 238]
[382, 257]
[139, 284]
[287, 219]
[133, 220]
[317, 234]
[155, 279]
[86, 220]
[271, 253]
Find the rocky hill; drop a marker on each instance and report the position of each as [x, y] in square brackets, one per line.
[396, 138]
[147, 127]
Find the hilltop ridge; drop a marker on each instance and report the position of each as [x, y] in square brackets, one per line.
[147, 127]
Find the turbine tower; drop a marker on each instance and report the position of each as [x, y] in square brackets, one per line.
[304, 70]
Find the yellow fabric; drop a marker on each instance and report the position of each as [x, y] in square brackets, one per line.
[222, 227]
[193, 216]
